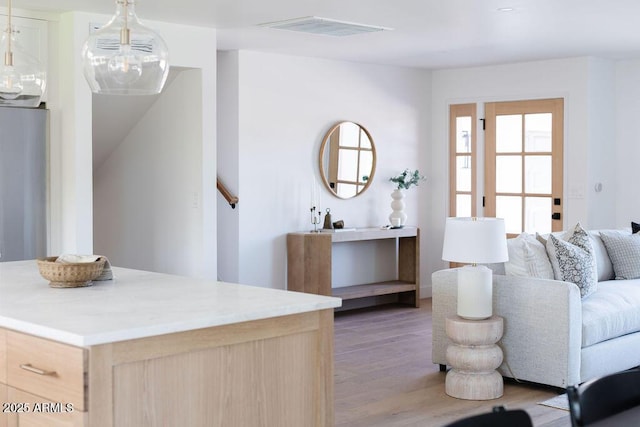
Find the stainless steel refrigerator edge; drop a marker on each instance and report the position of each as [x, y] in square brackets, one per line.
[23, 183]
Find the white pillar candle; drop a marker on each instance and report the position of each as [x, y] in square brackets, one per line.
[475, 292]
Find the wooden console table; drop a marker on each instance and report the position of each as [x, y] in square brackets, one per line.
[309, 263]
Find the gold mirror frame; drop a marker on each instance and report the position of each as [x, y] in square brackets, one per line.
[340, 145]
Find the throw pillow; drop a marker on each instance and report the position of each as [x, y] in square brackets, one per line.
[516, 266]
[527, 258]
[573, 260]
[603, 262]
[624, 251]
[537, 260]
[635, 227]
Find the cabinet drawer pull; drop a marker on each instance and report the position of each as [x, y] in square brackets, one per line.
[28, 367]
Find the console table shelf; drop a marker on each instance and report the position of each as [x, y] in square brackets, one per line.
[309, 263]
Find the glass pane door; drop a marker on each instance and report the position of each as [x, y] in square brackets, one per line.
[462, 145]
[524, 164]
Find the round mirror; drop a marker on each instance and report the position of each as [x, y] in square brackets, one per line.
[347, 159]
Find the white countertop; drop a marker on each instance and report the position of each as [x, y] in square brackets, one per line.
[136, 304]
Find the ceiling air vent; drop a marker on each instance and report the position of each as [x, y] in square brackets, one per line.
[324, 26]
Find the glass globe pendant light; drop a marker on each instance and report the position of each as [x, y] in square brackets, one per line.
[22, 77]
[124, 57]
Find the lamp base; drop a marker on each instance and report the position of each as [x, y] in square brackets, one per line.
[475, 292]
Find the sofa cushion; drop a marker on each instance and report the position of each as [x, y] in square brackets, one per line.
[573, 260]
[527, 258]
[611, 312]
[624, 251]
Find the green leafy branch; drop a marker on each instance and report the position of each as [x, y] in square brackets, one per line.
[407, 178]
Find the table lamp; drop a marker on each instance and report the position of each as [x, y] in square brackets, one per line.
[475, 241]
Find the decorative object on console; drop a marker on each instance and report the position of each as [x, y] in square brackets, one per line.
[124, 57]
[338, 225]
[475, 241]
[315, 220]
[397, 218]
[407, 178]
[315, 205]
[22, 77]
[328, 225]
[404, 181]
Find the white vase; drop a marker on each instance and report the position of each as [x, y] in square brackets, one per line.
[397, 218]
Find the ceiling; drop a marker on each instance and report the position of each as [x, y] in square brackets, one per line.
[430, 34]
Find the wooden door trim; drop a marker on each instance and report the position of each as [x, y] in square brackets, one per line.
[462, 110]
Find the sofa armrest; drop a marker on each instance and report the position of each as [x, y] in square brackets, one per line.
[542, 326]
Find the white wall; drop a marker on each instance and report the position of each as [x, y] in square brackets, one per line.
[147, 193]
[582, 82]
[627, 142]
[70, 141]
[228, 165]
[286, 105]
[602, 169]
[71, 151]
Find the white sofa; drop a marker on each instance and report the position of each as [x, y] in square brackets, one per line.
[551, 335]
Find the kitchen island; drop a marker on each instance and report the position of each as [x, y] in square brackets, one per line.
[150, 349]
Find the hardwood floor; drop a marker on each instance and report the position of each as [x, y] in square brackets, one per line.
[384, 375]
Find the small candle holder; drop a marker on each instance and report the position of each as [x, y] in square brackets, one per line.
[315, 220]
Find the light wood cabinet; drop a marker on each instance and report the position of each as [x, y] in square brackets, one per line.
[43, 382]
[270, 372]
[47, 368]
[3, 356]
[4, 417]
[309, 263]
[38, 411]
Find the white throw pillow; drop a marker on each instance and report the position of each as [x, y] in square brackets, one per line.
[537, 259]
[573, 260]
[603, 261]
[527, 258]
[516, 266]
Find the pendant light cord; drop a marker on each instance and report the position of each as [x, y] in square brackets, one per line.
[8, 56]
[125, 35]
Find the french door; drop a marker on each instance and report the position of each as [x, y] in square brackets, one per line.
[523, 164]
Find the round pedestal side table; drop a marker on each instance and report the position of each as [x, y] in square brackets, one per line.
[474, 358]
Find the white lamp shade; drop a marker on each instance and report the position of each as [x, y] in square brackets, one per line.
[125, 57]
[475, 240]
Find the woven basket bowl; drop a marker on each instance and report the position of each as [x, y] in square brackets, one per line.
[70, 275]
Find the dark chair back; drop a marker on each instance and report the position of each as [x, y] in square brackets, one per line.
[602, 397]
[499, 417]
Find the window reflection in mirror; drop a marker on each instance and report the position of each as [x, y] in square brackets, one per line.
[347, 159]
